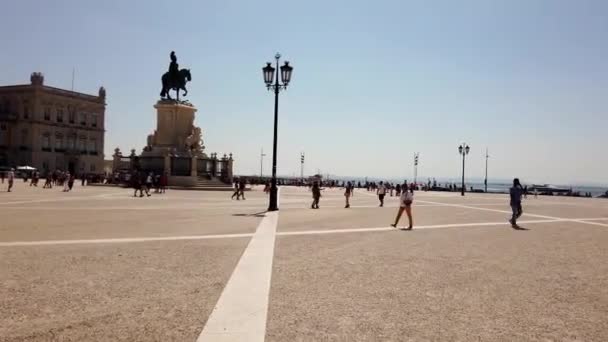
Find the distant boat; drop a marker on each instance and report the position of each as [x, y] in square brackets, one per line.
[547, 188]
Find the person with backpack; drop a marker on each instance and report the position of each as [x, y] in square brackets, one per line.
[405, 204]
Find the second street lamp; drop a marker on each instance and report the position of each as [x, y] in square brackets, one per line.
[463, 149]
[269, 75]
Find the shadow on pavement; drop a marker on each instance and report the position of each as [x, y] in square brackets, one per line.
[260, 214]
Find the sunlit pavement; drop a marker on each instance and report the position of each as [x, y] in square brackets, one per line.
[97, 264]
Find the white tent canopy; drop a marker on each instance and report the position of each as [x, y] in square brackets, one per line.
[25, 168]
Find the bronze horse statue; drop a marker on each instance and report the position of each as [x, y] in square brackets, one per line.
[183, 77]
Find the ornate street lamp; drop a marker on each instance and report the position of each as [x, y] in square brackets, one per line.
[269, 75]
[463, 149]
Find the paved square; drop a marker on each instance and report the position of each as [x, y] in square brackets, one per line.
[97, 264]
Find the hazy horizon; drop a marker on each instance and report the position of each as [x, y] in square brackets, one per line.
[372, 82]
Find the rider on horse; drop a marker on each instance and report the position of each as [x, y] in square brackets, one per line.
[173, 68]
[175, 79]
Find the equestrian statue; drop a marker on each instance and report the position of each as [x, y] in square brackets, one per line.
[175, 79]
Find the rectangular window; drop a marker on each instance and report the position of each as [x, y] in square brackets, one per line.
[24, 138]
[71, 142]
[82, 145]
[92, 167]
[46, 142]
[94, 120]
[59, 115]
[2, 127]
[93, 146]
[59, 143]
[26, 112]
[47, 113]
[72, 115]
[83, 119]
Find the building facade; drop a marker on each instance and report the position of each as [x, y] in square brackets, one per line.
[51, 128]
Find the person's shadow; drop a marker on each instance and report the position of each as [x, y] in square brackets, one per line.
[260, 214]
[518, 227]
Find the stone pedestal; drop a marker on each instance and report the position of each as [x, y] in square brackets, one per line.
[176, 148]
[174, 123]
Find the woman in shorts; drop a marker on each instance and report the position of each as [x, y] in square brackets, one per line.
[406, 199]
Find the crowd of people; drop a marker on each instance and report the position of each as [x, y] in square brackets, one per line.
[56, 178]
[145, 181]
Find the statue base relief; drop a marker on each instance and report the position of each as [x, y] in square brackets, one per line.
[176, 148]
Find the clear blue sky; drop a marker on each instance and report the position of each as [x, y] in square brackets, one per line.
[373, 82]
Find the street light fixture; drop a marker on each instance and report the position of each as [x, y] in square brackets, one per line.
[269, 74]
[463, 149]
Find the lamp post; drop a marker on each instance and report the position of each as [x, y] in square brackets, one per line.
[485, 182]
[302, 167]
[416, 155]
[463, 149]
[276, 86]
[262, 155]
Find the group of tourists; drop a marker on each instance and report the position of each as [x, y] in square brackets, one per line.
[56, 178]
[144, 182]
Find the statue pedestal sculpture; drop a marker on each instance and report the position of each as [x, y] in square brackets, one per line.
[176, 145]
[174, 123]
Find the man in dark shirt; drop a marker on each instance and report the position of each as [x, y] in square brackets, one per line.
[516, 192]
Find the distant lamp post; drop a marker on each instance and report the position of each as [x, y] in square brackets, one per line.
[463, 150]
[272, 83]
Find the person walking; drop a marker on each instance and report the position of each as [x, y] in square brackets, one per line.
[516, 192]
[71, 179]
[136, 181]
[381, 192]
[406, 199]
[2, 176]
[66, 182]
[11, 179]
[149, 181]
[316, 195]
[242, 185]
[348, 192]
[164, 181]
[236, 191]
[48, 181]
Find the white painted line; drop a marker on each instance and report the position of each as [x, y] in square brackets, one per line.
[436, 226]
[592, 223]
[302, 232]
[57, 199]
[494, 210]
[240, 313]
[121, 240]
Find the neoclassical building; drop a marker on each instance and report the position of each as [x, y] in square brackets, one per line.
[51, 128]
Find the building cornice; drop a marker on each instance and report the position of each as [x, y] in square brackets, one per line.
[53, 91]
